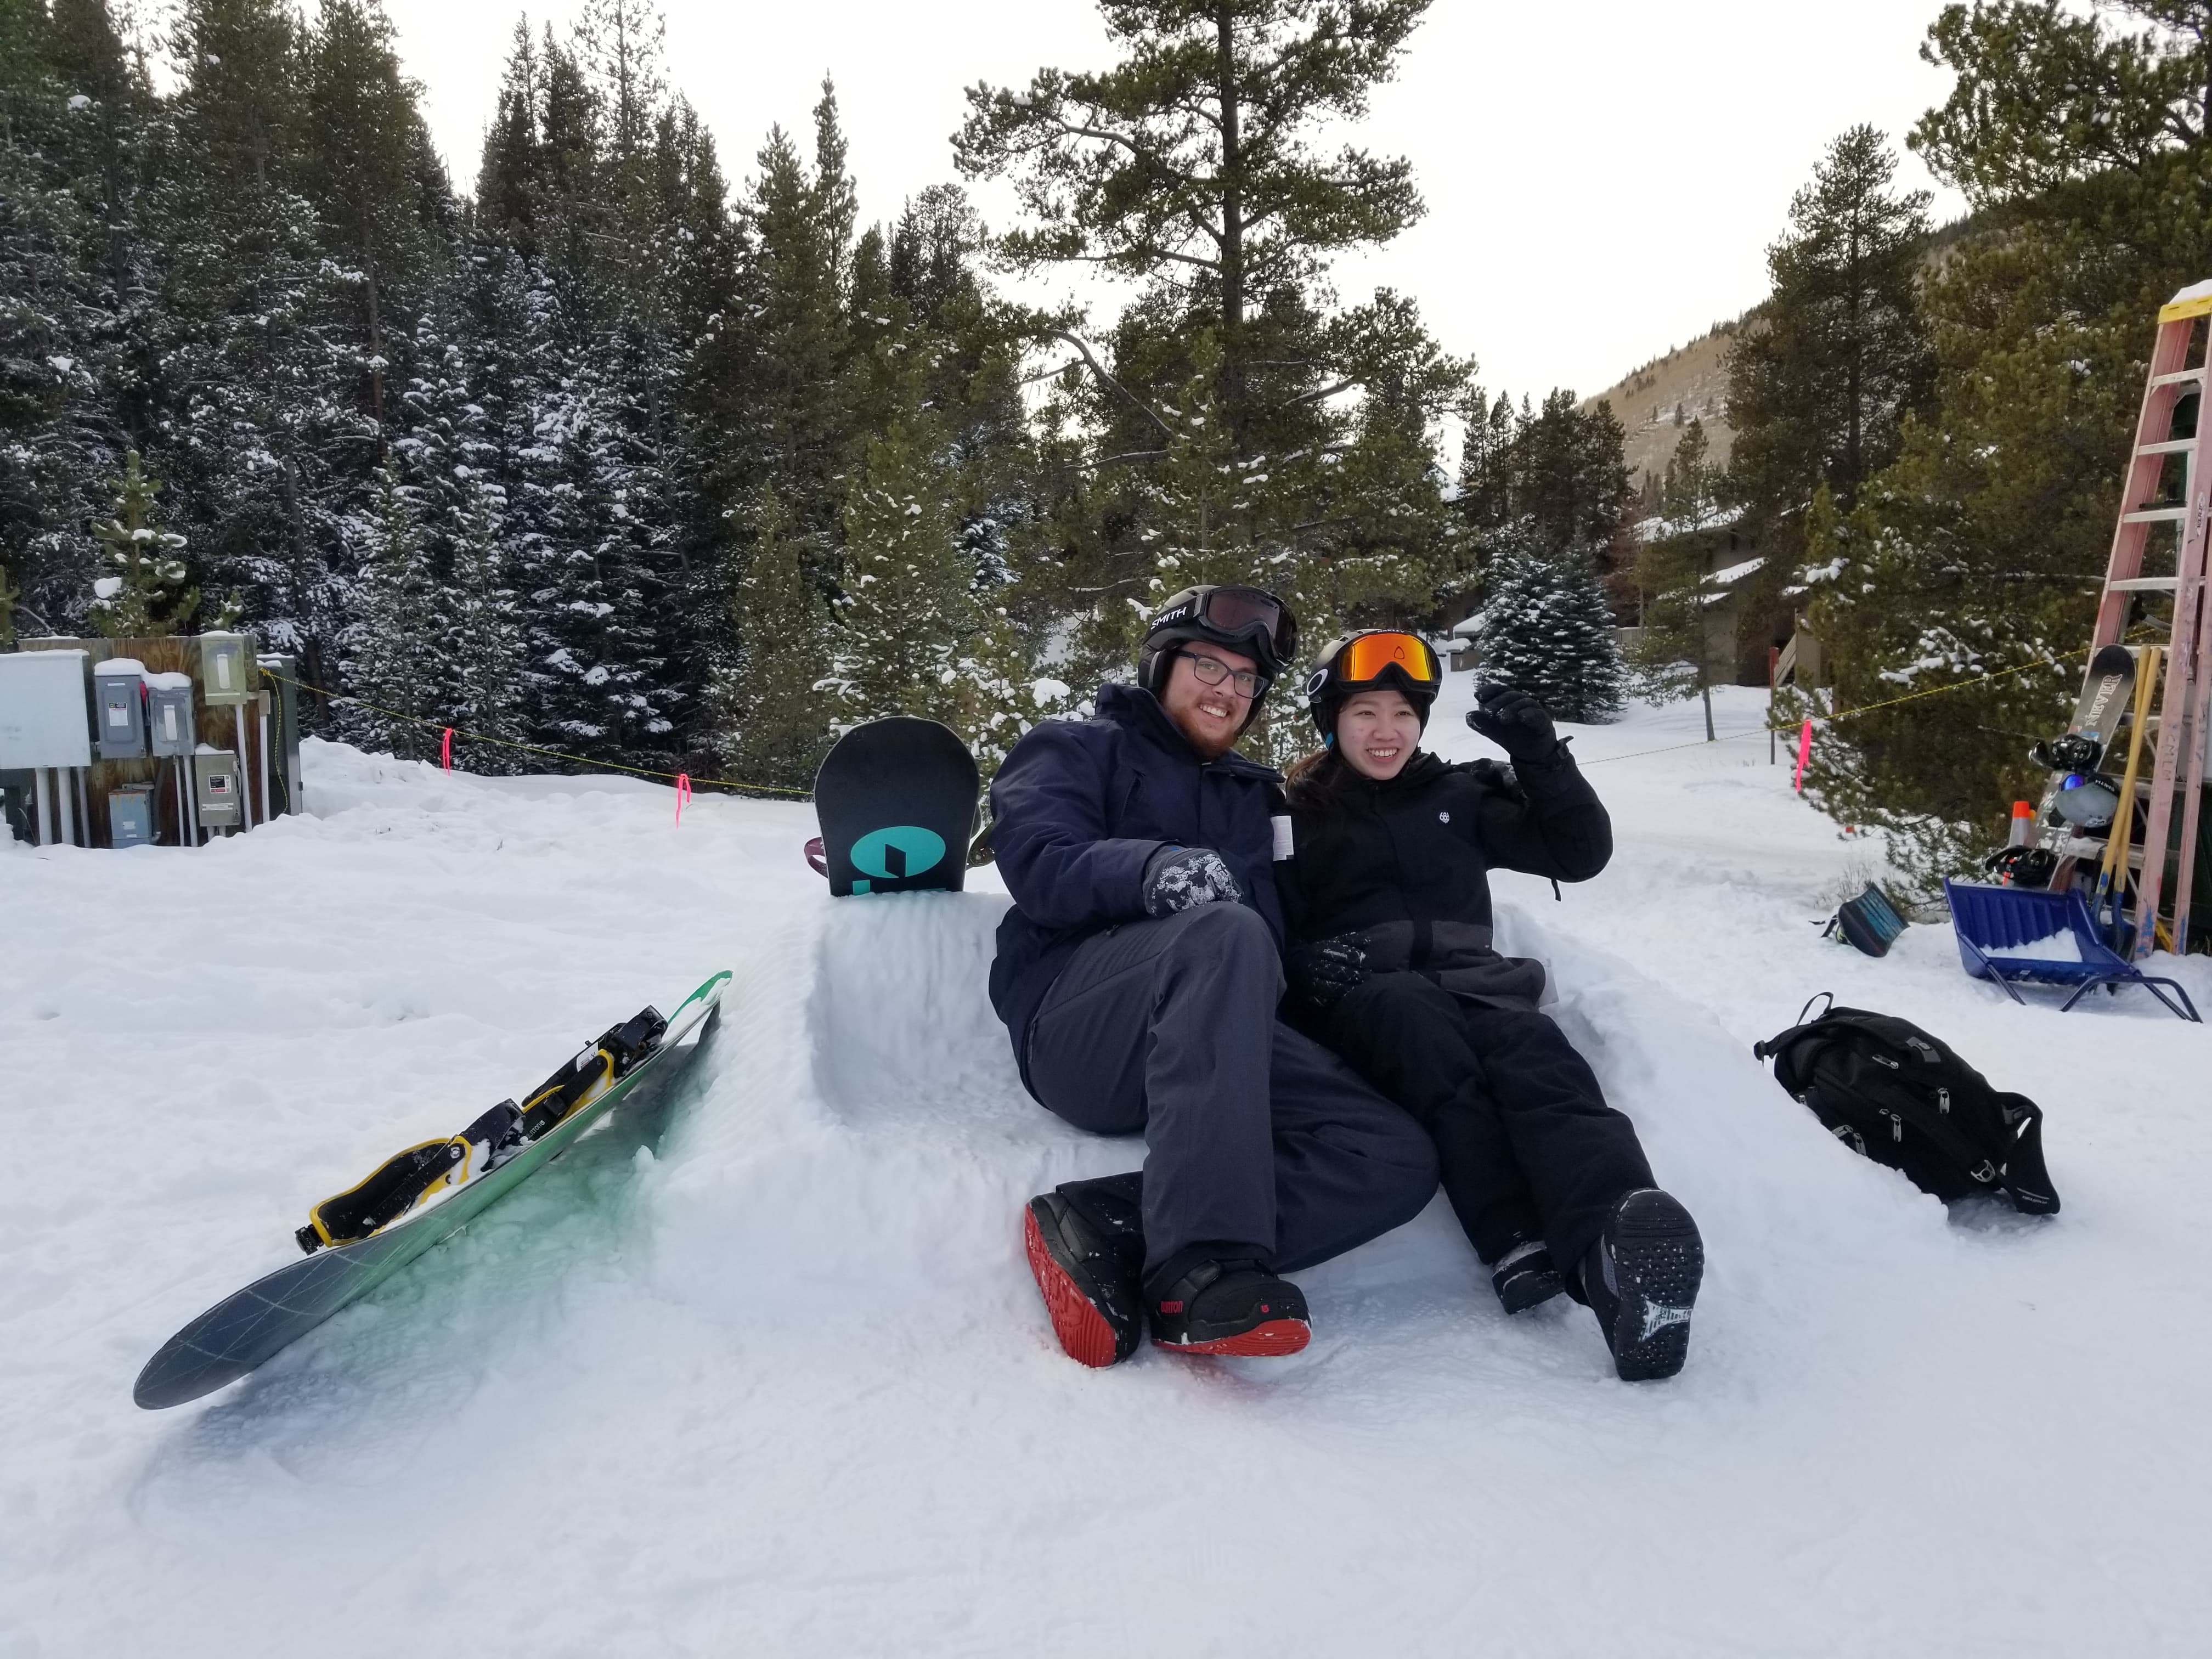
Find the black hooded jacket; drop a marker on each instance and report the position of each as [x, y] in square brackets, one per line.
[1405, 862]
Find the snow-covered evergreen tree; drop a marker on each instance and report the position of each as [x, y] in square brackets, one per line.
[73, 114]
[394, 655]
[483, 644]
[773, 691]
[917, 637]
[1547, 629]
[141, 589]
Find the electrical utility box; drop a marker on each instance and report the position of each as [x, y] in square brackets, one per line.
[45, 709]
[283, 673]
[118, 699]
[169, 729]
[225, 670]
[131, 816]
[218, 788]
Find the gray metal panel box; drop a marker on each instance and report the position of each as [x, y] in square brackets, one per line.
[119, 698]
[169, 726]
[283, 673]
[217, 787]
[225, 670]
[46, 709]
[131, 816]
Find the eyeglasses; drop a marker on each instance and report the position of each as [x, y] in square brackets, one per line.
[1212, 671]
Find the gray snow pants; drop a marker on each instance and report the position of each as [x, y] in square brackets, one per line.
[1256, 1138]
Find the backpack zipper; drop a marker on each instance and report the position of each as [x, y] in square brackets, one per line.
[1943, 1102]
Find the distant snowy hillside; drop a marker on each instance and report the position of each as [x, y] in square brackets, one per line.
[758, 1368]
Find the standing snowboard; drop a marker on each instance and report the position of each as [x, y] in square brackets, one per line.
[896, 800]
[397, 1224]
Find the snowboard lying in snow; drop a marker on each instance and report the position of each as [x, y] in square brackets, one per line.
[897, 800]
[244, 1329]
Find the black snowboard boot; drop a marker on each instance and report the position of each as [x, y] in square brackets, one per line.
[1524, 1277]
[1086, 1247]
[1225, 1307]
[1640, 1279]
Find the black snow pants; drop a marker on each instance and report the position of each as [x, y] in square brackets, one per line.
[1528, 1147]
[1257, 1139]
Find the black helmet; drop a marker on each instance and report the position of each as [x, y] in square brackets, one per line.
[1248, 620]
[1371, 659]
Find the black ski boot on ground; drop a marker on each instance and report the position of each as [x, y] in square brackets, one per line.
[1641, 1279]
[1086, 1247]
[1226, 1307]
[1525, 1276]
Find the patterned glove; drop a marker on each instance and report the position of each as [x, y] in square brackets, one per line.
[1324, 972]
[1515, 722]
[1184, 877]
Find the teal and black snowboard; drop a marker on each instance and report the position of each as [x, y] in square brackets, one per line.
[242, 1330]
[897, 800]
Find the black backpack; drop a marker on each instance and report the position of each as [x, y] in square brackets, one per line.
[1888, 1090]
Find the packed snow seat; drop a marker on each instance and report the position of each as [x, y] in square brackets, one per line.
[2012, 934]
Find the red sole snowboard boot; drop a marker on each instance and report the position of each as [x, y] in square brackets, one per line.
[1086, 1250]
[1235, 1308]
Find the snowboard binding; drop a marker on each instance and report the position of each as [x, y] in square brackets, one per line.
[414, 1177]
[2077, 751]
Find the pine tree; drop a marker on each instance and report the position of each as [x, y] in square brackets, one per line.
[1819, 391]
[1546, 629]
[772, 693]
[482, 645]
[144, 590]
[393, 655]
[1821, 387]
[916, 637]
[72, 122]
[256, 424]
[380, 196]
[1676, 641]
[2080, 142]
[1192, 165]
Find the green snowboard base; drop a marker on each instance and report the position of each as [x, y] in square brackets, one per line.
[244, 1329]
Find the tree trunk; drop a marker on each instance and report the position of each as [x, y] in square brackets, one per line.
[375, 340]
[1232, 225]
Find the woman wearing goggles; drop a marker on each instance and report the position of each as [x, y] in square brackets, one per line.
[1392, 965]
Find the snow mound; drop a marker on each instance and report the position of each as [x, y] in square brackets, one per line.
[760, 1364]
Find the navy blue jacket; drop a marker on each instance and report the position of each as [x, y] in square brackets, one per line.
[1077, 809]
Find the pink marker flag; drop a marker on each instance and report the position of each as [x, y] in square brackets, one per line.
[1804, 754]
[446, 750]
[683, 794]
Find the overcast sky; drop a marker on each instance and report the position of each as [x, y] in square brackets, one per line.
[1602, 178]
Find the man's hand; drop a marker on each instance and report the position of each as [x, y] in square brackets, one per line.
[1515, 722]
[1324, 972]
[1184, 877]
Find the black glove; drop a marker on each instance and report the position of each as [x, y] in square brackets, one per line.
[1515, 722]
[1184, 877]
[1324, 972]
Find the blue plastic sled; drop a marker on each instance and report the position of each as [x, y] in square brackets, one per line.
[1992, 920]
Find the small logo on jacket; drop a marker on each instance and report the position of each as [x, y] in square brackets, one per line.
[1444, 818]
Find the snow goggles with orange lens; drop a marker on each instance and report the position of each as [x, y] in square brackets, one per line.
[1364, 657]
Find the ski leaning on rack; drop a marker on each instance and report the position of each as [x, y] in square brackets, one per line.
[896, 800]
[358, 1238]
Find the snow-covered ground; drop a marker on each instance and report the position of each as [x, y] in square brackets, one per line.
[758, 1368]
